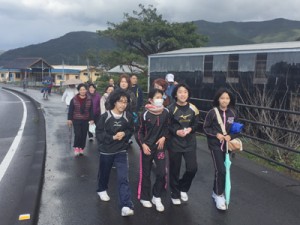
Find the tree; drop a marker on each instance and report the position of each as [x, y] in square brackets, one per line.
[146, 32]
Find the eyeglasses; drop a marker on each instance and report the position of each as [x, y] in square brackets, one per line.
[123, 102]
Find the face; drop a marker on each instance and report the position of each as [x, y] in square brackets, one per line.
[182, 94]
[224, 100]
[134, 80]
[109, 90]
[92, 89]
[157, 86]
[157, 99]
[82, 91]
[121, 104]
[123, 83]
[111, 82]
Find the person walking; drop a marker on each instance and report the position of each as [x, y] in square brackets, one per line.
[109, 89]
[137, 90]
[113, 131]
[68, 94]
[224, 101]
[182, 143]
[80, 115]
[152, 135]
[162, 84]
[95, 96]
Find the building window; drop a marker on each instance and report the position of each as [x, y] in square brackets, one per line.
[18, 75]
[233, 69]
[59, 77]
[208, 69]
[2, 75]
[97, 74]
[85, 74]
[260, 68]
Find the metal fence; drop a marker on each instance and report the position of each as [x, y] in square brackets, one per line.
[261, 138]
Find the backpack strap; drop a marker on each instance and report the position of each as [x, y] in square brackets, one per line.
[220, 121]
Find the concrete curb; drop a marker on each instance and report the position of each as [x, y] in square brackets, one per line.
[30, 200]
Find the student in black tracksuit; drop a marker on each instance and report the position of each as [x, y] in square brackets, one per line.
[151, 136]
[224, 101]
[182, 142]
[113, 131]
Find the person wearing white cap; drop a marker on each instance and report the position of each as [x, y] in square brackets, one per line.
[170, 79]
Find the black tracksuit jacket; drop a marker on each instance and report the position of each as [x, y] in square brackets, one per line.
[182, 117]
[108, 126]
[211, 126]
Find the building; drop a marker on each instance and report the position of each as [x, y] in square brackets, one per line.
[34, 70]
[31, 69]
[242, 68]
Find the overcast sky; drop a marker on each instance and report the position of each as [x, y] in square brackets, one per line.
[26, 22]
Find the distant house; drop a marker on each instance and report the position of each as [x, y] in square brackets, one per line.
[34, 70]
[31, 69]
[65, 72]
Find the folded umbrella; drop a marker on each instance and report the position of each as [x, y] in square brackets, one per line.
[227, 164]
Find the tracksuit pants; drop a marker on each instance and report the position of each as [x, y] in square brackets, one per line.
[218, 157]
[120, 161]
[183, 184]
[146, 162]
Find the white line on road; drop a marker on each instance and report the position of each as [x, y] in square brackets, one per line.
[14, 146]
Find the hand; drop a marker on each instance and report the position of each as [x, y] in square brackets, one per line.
[220, 136]
[180, 133]
[69, 123]
[188, 130]
[119, 136]
[161, 143]
[227, 138]
[146, 149]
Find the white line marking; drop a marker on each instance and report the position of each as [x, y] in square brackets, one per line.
[14, 146]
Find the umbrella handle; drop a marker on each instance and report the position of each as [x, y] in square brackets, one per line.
[226, 146]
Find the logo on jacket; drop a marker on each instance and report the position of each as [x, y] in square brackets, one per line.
[117, 124]
[184, 118]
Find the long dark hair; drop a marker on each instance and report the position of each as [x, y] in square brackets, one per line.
[218, 95]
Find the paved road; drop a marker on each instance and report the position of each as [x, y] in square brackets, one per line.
[259, 196]
[16, 183]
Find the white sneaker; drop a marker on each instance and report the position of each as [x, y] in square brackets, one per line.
[176, 201]
[184, 196]
[220, 201]
[126, 211]
[103, 196]
[157, 202]
[146, 204]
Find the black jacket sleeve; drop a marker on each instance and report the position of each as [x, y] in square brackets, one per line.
[71, 110]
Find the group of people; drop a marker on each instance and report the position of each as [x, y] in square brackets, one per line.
[165, 131]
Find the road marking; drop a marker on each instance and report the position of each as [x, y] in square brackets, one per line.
[14, 146]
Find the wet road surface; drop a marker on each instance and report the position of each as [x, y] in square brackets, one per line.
[259, 195]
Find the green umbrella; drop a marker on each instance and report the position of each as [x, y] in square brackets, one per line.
[227, 164]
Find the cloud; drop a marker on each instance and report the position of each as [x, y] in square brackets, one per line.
[25, 22]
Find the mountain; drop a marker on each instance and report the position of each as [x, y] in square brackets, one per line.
[236, 33]
[75, 46]
[1, 52]
[72, 48]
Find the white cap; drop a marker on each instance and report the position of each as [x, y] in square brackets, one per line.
[170, 77]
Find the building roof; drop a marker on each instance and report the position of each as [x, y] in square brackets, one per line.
[234, 49]
[70, 67]
[24, 63]
[125, 69]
